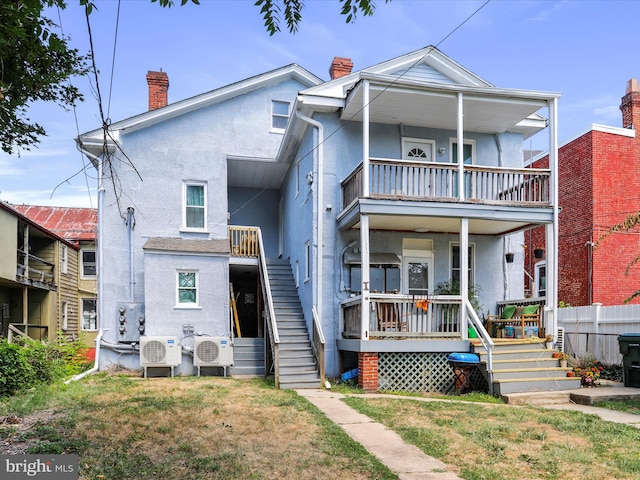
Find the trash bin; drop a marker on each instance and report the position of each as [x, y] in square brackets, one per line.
[629, 344]
[463, 364]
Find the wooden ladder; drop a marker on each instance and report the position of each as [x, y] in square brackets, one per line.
[234, 309]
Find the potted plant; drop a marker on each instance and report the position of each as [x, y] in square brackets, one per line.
[538, 252]
[563, 359]
[548, 340]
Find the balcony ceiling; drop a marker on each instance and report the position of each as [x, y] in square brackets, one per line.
[438, 109]
[442, 225]
[247, 172]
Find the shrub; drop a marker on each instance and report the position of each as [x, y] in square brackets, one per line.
[29, 362]
[15, 371]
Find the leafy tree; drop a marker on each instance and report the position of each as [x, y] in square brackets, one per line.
[35, 64]
[631, 221]
[272, 9]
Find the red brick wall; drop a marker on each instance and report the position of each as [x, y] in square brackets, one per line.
[616, 190]
[599, 181]
[368, 371]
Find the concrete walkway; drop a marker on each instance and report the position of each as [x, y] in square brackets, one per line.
[405, 460]
[410, 463]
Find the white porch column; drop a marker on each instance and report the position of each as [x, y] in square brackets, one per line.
[364, 259]
[552, 230]
[365, 138]
[464, 273]
[460, 141]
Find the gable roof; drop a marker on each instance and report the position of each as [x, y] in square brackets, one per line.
[93, 140]
[73, 224]
[427, 64]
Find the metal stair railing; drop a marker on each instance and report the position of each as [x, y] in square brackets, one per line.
[270, 320]
[485, 339]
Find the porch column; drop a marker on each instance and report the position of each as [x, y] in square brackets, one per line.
[551, 231]
[368, 371]
[460, 141]
[365, 138]
[364, 259]
[464, 273]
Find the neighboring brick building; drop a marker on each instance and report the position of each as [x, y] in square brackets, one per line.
[599, 176]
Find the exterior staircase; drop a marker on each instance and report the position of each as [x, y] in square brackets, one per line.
[524, 366]
[248, 357]
[297, 363]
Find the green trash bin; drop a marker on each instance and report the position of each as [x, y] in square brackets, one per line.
[629, 344]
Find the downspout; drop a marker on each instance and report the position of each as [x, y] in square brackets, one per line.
[131, 223]
[320, 201]
[96, 363]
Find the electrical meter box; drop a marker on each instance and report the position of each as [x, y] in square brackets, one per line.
[130, 321]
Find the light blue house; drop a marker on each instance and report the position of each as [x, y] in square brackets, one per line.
[289, 226]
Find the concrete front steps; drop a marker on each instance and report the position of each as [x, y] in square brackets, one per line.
[298, 368]
[524, 366]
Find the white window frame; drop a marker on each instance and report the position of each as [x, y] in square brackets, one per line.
[83, 263]
[472, 263]
[428, 145]
[185, 185]
[64, 259]
[93, 314]
[191, 305]
[417, 256]
[536, 282]
[279, 115]
[64, 316]
[454, 141]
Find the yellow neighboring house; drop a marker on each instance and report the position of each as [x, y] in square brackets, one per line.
[48, 272]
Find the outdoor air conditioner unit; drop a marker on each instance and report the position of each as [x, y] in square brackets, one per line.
[160, 352]
[212, 352]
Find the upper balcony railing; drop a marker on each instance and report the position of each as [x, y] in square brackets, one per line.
[244, 241]
[422, 181]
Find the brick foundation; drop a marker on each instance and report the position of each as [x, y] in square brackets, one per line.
[368, 371]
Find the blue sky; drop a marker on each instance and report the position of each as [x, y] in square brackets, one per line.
[586, 50]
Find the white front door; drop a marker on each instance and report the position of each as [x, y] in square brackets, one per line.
[417, 275]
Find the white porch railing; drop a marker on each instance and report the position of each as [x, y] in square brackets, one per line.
[410, 180]
[404, 316]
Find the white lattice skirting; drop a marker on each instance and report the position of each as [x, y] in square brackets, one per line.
[421, 372]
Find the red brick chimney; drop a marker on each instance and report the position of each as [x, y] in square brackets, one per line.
[340, 67]
[158, 87]
[630, 105]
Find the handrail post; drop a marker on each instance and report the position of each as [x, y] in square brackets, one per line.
[485, 338]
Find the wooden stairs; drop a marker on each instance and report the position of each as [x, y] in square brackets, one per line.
[524, 366]
[297, 363]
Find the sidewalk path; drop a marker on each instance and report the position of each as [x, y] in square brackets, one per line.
[405, 460]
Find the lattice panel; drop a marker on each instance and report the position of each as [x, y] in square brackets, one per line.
[421, 372]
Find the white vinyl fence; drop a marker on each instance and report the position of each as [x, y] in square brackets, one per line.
[595, 329]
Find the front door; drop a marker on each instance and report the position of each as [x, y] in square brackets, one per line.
[418, 275]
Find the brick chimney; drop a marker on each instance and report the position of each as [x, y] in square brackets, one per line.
[158, 87]
[630, 105]
[340, 67]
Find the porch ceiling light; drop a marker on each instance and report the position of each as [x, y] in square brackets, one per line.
[421, 230]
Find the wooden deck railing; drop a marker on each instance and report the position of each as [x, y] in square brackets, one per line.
[404, 316]
[421, 181]
[244, 241]
[35, 269]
